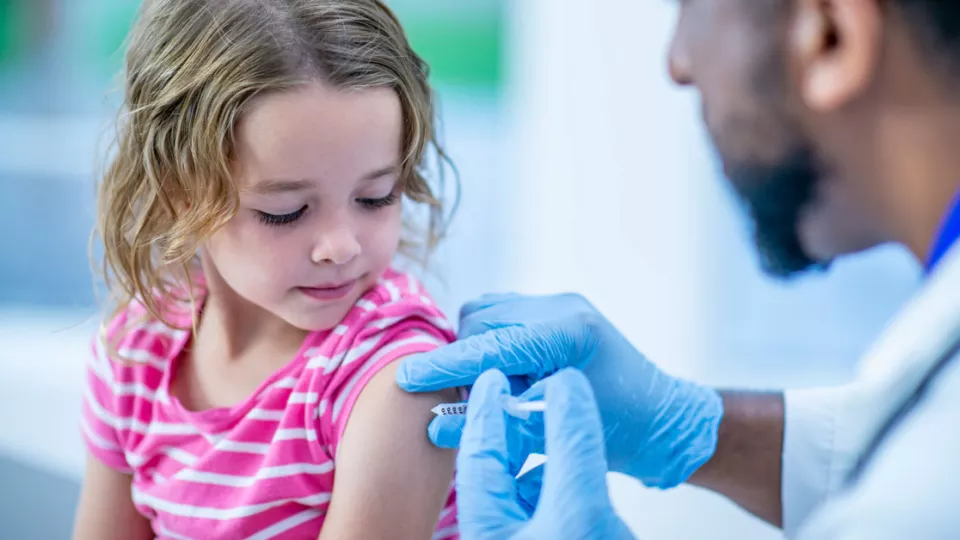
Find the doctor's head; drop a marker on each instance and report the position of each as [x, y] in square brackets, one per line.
[810, 104]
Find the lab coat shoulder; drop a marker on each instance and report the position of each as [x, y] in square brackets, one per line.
[911, 487]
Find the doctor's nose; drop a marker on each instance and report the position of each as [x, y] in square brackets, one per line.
[335, 245]
[678, 62]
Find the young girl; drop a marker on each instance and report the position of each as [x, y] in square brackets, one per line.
[244, 387]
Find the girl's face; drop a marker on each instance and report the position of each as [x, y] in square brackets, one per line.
[319, 218]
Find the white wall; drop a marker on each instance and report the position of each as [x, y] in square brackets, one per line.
[616, 195]
[41, 363]
[605, 169]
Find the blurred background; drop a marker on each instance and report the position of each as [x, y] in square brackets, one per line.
[582, 170]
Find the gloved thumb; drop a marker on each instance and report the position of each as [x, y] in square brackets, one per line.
[486, 487]
[575, 502]
[574, 439]
[445, 431]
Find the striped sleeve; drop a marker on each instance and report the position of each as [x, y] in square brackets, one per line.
[405, 326]
[100, 419]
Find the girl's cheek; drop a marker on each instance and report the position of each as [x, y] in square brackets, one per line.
[383, 236]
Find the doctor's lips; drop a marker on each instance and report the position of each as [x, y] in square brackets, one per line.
[329, 291]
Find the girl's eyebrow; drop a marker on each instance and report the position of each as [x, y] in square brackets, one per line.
[380, 173]
[277, 185]
[269, 187]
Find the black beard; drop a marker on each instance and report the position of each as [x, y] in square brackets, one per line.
[775, 198]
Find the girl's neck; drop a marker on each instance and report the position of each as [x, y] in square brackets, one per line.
[236, 327]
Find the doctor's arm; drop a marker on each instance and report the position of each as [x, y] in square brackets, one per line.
[746, 465]
[779, 455]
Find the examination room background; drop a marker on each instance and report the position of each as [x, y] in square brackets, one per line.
[582, 170]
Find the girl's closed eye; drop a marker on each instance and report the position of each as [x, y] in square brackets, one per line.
[378, 203]
[277, 220]
[290, 218]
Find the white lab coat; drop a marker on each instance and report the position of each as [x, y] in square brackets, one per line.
[911, 486]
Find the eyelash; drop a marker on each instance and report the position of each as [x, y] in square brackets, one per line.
[376, 204]
[279, 220]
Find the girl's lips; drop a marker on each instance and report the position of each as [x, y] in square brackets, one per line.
[332, 292]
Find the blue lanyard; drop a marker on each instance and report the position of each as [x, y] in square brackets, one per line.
[949, 234]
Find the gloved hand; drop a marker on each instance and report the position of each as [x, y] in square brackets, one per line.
[658, 429]
[574, 503]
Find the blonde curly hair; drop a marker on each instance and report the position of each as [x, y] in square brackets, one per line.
[192, 67]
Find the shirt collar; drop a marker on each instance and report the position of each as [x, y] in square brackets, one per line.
[947, 236]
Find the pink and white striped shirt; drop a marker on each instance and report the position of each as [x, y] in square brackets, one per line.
[263, 468]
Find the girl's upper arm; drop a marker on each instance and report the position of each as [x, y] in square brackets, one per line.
[390, 480]
[106, 509]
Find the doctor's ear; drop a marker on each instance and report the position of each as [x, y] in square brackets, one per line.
[835, 46]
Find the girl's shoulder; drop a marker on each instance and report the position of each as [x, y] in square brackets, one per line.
[396, 313]
[395, 319]
[398, 295]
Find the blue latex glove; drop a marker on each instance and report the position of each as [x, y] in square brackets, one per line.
[658, 429]
[574, 503]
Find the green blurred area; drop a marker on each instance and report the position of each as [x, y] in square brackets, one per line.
[462, 46]
[108, 31]
[466, 53]
[12, 30]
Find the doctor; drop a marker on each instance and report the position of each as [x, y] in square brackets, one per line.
[838, 123]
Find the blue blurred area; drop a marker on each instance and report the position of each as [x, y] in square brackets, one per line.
[47, 222]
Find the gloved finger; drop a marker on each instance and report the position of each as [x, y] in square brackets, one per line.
[514, 351]
[528, 489]
[485, 301]
[574, 436]
[445, 431]
[486, 489]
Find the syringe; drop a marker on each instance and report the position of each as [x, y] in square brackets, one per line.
[511, 404]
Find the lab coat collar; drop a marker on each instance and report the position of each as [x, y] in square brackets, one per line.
[947, 236]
